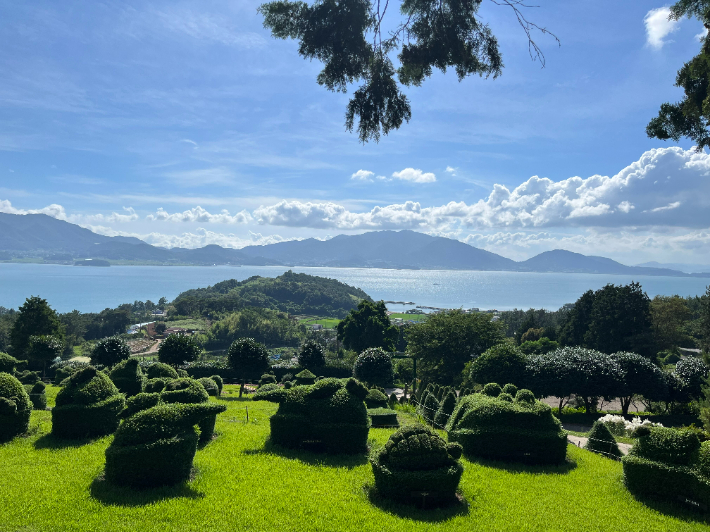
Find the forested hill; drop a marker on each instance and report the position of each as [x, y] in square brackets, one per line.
[295, 293]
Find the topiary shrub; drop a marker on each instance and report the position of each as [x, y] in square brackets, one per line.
[139, 402]
[374, 366]
[64, 370]
[269, 392]
[37, 394]
[286, 378]
[156, 447]
[189, 391]
[87, 405]
[511, 431]
[446, 408]
[110, 351]
[602, 441]
[128, 377]
[160, 370]
[155, 385]
[505, 397]
[288, 384]
[311, 355]
[209, 385]
[510, 389]
[393, 400]
[305, 377]
[669, 464]
[268, 378]
[492, 390]
[382, 417]
[416, 460]
[375, 399]
[219, 382]
[8, 363]
[328, 416]
[15, 408]
[430, 408]
[182, 373]
[27, 376]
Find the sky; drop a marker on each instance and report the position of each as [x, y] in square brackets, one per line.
[185, 123]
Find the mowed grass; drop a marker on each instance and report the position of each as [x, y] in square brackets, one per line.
[195, 324]
[327, 323]
[243, 483]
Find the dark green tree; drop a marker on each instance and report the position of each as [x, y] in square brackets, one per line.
[35, 318]
[445, 342]
[368, 326]
[705, 320]
[374, 366]
[177, 349]
[110, 351]
[44, 348]
[692, 373]
[691, 116]
[641, 377]
[578, 320]
[248, 357]
[347, 36]
[312, 355]
[501, 363]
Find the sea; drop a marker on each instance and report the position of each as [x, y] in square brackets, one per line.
[92, 289]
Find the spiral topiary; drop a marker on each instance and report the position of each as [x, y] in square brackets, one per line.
[87, 405]
[328, 416]
[156, 447]
[517, 430]
[189, 391]
[128, 377]
[15, 408]
[160, 371]
[416, 460]
[37, 394]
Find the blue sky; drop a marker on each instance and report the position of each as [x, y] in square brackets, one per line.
[186, 124]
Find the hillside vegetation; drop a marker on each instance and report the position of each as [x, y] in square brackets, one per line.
[295, 293]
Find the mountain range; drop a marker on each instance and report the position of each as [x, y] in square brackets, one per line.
[39, 235]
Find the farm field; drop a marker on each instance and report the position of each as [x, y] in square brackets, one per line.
[195, 324]
[327, 323]
[244, 483]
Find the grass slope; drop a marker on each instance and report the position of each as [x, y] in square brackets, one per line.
[243, 483]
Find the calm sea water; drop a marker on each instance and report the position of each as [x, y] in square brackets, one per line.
[93, 289]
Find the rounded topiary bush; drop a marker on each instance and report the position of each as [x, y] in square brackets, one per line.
[267, 378]
[15, 408]
[156, 385]
[87, 405]
[269, 392]
[669, 464]
[328, 416]
[311, 355]
[110, 351]
[510, 389]
[374, 366]
[219, 382]
[161, 371]
[305, 378]
[508, 430]
[65, 370]
[209, 385]
[38, 395]
[139, 402]
[602, 441]
[492, 389]
[375, 399]
[156, 447]
[416, 460]
[189, 391]
[128, 377]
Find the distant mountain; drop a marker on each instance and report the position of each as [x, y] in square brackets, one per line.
[39, 235]
[682, 267]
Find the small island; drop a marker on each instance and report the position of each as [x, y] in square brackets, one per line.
[92, 262]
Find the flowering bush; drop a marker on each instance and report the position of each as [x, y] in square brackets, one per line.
[619, 426]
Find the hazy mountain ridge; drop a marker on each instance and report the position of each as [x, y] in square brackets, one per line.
[42, 235]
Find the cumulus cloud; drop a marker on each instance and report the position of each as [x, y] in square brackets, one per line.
[659, 26]
[414, 176]
[451, 170]
[200, 215]
[53, 210]
[362, 175]
[129, 215]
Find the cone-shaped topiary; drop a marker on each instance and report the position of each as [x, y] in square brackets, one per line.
[160, 370]
[392, 400]
[375, 399]
[37, 394]
[156, 447]
[508, 430]
[446, 408]
[15, 408]
[430, 408]
[669, 464]
[87, 405]
[189, 391]
[219, 382]
[416, 460]
[209, 385]
[128, 377]
[602, 441]
[328, 416]
[305, 377]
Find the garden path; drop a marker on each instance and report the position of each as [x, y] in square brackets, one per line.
[580, 441]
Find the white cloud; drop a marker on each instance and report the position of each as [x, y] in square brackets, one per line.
[625, 206]
[53, 210]
[658, 27]
[114, 217]
[200, 215]
[668, 207]
[362, 175]
[701, 36]
[451, 170]
[414, 176]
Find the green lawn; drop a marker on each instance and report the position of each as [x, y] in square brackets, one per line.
[407, 317]
[242, 483]
[327, 323]
[196, 324]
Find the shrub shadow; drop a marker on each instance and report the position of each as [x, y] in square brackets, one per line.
[111, 495]
[228, 398]
[431, 512]
[310, 455]
[677, 509]
[49, 441]
[521, 467]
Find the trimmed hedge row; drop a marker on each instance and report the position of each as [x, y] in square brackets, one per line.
[383, 417]
[15, 408]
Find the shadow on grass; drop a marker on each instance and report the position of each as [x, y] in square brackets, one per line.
[430, 512]
[110, 495]
[310, 455]
[682, 510]
[228, 398]
[519, 467]
[49, 441]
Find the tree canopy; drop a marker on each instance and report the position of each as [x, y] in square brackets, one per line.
[368, 326]
[35, 318]
[177, 349]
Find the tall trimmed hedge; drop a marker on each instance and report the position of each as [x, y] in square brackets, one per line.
[374, 366]
[416, 460]
[15, 408]
[87, 405]
[128, 377]
[669, 464]
[327, 416]
[523, 430]
[156, 447]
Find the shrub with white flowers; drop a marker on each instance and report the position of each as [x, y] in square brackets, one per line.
[619, 426]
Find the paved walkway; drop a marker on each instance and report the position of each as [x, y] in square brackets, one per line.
[580, 441]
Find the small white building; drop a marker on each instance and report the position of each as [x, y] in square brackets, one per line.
[317, 327]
